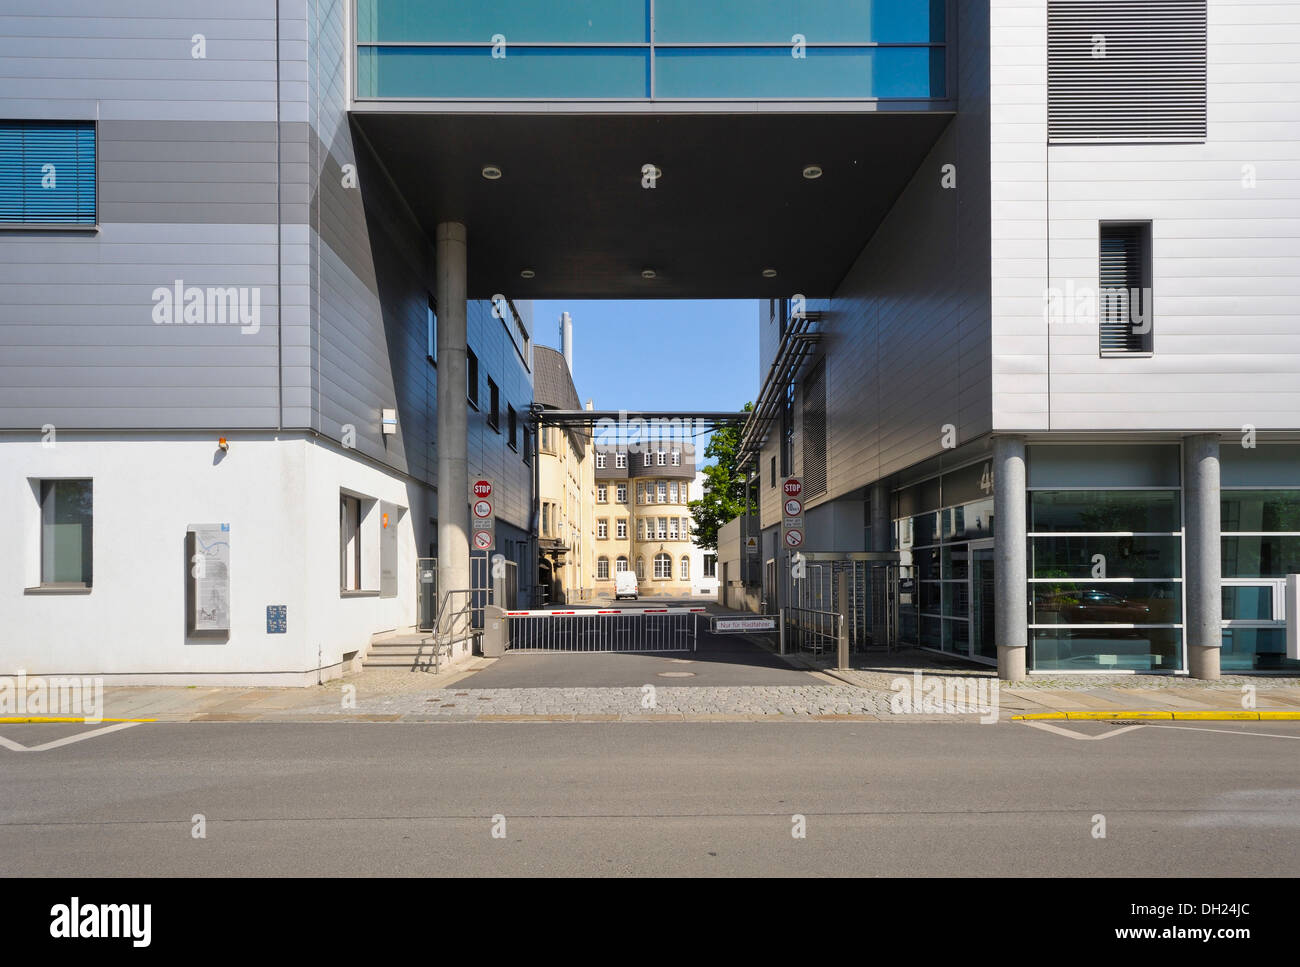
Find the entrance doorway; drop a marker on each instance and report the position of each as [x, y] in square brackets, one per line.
[982, 640]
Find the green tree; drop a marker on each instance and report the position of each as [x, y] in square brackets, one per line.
[724, 486]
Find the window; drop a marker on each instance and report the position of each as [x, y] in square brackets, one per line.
[47, 173]
[602, 529]
[602, 493]
[349, 543]
[528, 446]
[1124, 295]
[685, 573]
[494, 412]
[431, 325]
[640, 493]
[66, 533]
[620, 493]
[621, 564]
[471, 377]
[512, 421]
[620, 461]
[663, 566]
[640, 528]
[621, 529]
[546, 519]
[645, 459]
[686, 528]
[710, 565]
[677, 458]
[773, 472]
[672, 528]
[663, 491]
[672, 492]
[602, 569]
[600, 461]
[662, 531]
[662, 458]
[640, 568]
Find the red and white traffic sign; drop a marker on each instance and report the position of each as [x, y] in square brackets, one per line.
[793, 507]
[482, 508]
[794, 538]
[483, 540]
[482, 488]
[793, 487]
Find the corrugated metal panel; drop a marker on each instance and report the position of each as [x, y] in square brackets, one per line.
[814, 431]
[1126, 70]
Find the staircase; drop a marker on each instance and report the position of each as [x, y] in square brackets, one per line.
[400, 650]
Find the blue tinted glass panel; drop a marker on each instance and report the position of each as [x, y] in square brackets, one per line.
[519, 21]
[1113, 603]
[820, 21]
[1255, 649]
[1260, 557]
[757, 72]
[47, 172]
[454, 72]
[1105, 649]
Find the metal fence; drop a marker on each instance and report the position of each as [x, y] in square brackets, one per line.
[603, 630]
[872, 594]
[810, 630]
[485, 587]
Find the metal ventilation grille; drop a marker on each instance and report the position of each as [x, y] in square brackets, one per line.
[814, 431]
[1126, 70]
[1123, 289]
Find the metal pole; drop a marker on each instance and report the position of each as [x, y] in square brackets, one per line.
[781, 637]
[843, 658]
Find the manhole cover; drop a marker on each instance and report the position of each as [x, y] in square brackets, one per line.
[677, 674]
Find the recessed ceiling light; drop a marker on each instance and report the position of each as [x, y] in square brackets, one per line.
[648, 273]
[527, 274]
[491, 172]
[769, 273]
[812, 171]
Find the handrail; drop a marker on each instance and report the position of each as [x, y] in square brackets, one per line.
[437, 637]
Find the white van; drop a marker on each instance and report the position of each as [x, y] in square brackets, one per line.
[625, 586]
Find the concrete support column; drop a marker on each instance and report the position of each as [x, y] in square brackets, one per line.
[1203, 581]
[453, 412]
[882, 536]
[1010, 534]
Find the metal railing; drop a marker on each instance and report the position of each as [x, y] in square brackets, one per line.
[603, 630]
[810, 630]
[451, 624]
[485, 586]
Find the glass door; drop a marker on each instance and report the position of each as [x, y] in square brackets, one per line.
[982, 639]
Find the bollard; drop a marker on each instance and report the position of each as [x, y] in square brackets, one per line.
[843, 590]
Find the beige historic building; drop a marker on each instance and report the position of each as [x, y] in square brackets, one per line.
[565, 485]
[643, 521]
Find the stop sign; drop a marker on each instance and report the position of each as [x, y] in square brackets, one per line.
[793, 488]
[482, 489]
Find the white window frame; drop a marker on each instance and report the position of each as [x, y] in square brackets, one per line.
[620, 529]
[620, 565]
[677, 458]
[602, 494]
[602, 529]
[663, 491]
[645, 459]
[672, 528]
[684, 573]
[620, 493]
[620, 461]
[663, 557]
[600, 461]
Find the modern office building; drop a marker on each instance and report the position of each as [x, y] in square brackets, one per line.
[1034, 252]
[704, 561]
[566, 485]
[643, 521]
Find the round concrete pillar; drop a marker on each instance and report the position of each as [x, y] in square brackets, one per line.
[453, 411]
[1010, 534]
[1203, 583]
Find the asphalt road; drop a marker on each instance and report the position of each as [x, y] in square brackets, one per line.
[633, 799]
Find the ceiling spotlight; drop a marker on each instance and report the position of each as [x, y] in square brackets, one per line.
[527, 274]
[769, 273]
[491, 172]
[812, 171]
[648, 273]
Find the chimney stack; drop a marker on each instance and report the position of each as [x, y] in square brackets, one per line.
[566, 340]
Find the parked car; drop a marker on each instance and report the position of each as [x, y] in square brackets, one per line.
[625, 586]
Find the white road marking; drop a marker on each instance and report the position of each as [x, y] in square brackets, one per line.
[1265, 735]
[66, 740]
[1070, 734]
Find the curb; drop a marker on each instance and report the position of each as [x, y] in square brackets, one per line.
[1209, 716]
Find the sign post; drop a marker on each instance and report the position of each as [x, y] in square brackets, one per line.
[792, 528]
[483, 520]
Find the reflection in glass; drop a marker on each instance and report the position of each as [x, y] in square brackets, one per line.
[1144, 649]
[519, 21]
[66, 532]
[471, 72]
[1260, 557]
[1104, 510]
[1260, 510]
[1247, 603]
[847, 21]
[770, 72]
[1120, 557]
[1137, 602]
[1255, 649]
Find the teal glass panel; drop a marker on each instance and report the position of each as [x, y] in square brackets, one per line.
[1260, 557]
[472, 72]
[519, 21]
[1247, 603]
[771, 72]
[820, 21]
[66, 531]
[1104, 510]
[1102, 649]
[1255, 649]
[1128, 602]
[1121, 557]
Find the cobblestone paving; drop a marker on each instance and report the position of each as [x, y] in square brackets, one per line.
[882, 679]
[795, 700]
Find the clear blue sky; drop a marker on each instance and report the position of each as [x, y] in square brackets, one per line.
[657, 354]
